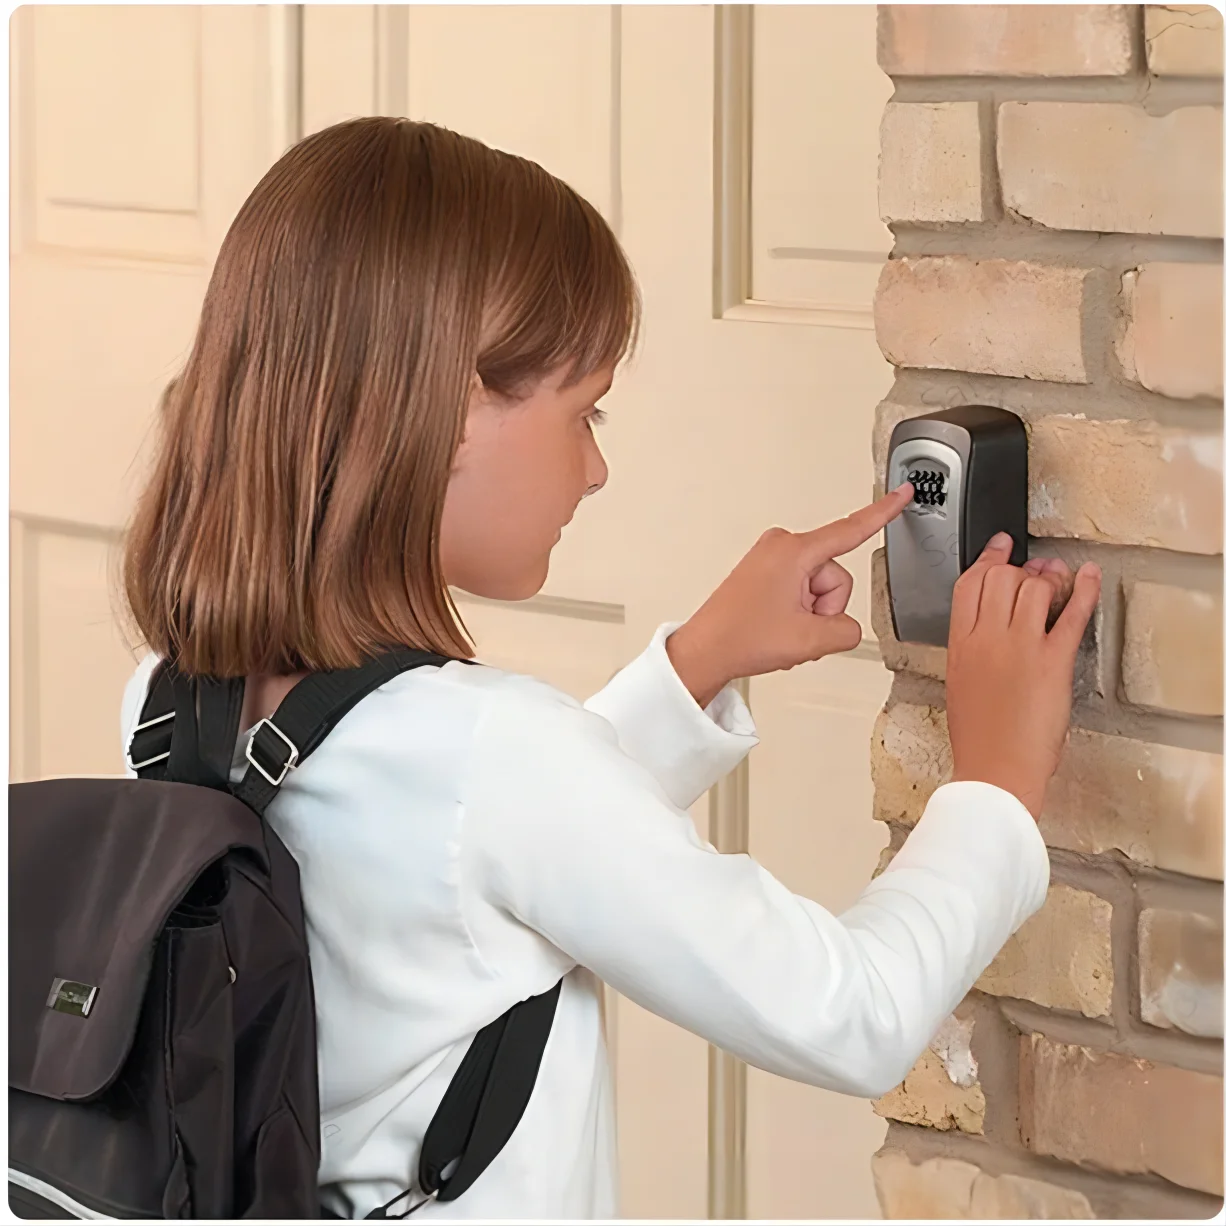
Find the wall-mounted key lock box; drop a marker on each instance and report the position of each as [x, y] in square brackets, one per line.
[968, 467]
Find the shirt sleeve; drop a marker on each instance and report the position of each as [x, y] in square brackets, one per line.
[660, 726]
[566, 834]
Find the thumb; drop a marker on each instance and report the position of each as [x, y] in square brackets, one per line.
[832, 633]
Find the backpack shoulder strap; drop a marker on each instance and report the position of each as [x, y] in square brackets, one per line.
[487, 1097]
[188, 726]
[484, 1103]
[308, 713]
[148, 748]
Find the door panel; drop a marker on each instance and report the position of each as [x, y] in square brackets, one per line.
[816, 238]
[340, 77]
[71, 588]
[141, 194]
[136, 133]
[573, 645]
[809, 799]
[533, 80]
[550, 98]
[661, 1117]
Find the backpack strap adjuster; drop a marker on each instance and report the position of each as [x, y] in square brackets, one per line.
[279, 762]
[158, 748]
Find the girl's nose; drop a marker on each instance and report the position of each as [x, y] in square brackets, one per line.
[597, 471]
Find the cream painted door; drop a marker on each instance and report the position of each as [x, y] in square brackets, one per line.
[734, 150]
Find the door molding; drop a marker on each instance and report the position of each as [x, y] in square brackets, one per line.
[727, 1082]
[732, 289]
[285, 76]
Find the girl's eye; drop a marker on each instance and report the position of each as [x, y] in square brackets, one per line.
[597, 417]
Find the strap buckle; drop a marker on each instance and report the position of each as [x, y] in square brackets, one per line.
[382, 1213]
[290, 762]
[134, 767]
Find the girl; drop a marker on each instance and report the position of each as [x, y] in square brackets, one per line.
[391, 393]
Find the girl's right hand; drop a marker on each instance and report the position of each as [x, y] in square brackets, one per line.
[1009, 681]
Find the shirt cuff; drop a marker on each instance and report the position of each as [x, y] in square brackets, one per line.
[661, 727]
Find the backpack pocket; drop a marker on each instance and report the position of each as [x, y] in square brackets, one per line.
[200, 1041]
[284, 1162]
[201, 905]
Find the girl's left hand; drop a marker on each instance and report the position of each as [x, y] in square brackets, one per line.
[783, 604]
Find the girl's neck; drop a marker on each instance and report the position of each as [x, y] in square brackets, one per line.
[264, 694]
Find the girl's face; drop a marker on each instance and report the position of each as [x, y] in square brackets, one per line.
[519, 474]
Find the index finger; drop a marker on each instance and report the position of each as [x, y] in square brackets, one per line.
[1071, 624]
[844, 535]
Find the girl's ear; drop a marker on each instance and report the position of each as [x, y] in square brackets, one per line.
[478, 394]
[478, 397]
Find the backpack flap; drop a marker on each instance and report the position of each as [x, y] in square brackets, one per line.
[98, 867]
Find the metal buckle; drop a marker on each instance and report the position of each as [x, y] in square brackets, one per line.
[127, 753]
[290, 763]
[383, 1212]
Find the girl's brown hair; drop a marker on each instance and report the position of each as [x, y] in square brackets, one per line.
[291, 522]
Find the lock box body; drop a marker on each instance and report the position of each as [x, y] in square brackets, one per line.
[968, 466]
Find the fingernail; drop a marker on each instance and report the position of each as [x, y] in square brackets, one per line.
[1093, 570]
[1033, 567]
[1000, 540]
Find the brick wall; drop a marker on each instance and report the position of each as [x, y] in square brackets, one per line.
[1053, 178]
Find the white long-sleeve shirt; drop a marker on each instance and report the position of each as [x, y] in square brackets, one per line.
[466, 837]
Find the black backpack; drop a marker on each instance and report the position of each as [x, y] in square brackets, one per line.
[162, 1058]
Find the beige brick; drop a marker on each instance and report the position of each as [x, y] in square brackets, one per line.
[930, 167]
[1181, 971]
[910, 759]
[947, 1188]
[942, 1090]
[1005, 40]
[1106, 166]
[1158, 804]
[889, 414]
[1126, 483]
[1183, 40]
[1172, 337]
[1173, 648]
[995, 317]
[1121, 1114]
[928, 1097]
[883, 860]
[1061, 957]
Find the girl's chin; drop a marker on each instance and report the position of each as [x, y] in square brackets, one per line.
[521, 586]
